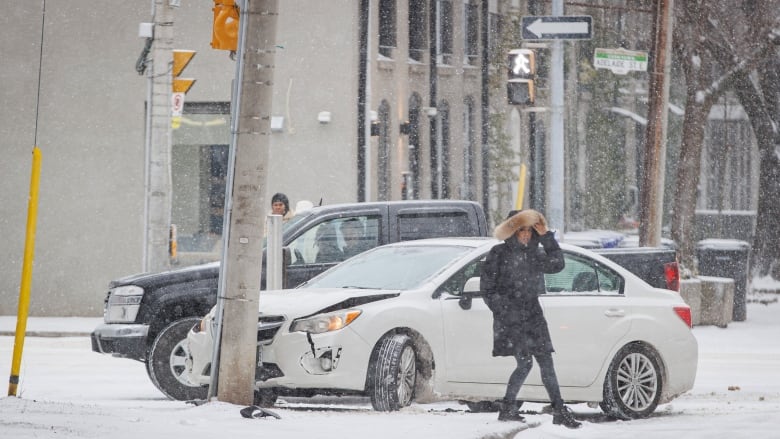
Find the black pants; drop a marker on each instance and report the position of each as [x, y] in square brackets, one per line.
[550, 380]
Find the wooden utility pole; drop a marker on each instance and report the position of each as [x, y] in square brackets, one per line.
[158, 185]
[651, 192]
[242, 257]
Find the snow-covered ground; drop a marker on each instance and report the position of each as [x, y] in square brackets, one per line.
[67, 391]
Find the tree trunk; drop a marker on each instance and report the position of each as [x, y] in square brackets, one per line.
[688, 170]
[761, 109]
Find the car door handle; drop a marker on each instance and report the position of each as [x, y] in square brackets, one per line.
[614, 313]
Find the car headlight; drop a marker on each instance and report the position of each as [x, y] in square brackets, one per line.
[325, 322]
[123, 303]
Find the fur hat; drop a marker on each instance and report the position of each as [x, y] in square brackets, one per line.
[280, 197]
[517, 219]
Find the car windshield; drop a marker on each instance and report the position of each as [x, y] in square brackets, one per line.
[394, 268]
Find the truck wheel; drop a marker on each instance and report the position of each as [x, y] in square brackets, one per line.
[632, 387]
[165, 363]
[393, 374]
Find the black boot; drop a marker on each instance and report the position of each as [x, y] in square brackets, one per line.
[564, 417]
[509, 412]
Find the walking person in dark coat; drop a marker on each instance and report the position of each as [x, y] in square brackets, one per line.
[512, 279]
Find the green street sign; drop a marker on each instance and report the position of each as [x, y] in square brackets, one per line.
[620, 61]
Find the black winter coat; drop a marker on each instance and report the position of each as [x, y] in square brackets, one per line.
[512, 279]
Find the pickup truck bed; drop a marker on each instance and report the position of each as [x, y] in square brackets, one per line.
[655, 265]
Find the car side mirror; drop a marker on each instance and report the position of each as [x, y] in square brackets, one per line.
[472, 286]
[470, 290]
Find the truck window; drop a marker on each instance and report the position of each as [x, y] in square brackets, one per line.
[433, 225]
[335, 240]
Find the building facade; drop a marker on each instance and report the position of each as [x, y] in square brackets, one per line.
[372, 100]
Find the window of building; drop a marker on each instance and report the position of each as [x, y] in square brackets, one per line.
[496, 22]
[444, 31]
[383, 152]
[387, 27]
[468, 188]
[415, 102]
[442, 174]
[418, 43]
[472, 34]
[199, 159]
[728, 164]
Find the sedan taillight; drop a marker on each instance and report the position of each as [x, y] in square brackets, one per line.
[684, 313]
[672, 275]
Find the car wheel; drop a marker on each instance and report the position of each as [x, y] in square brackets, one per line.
[165, 363]
[393, 374]
[633, 384]
[265, 398]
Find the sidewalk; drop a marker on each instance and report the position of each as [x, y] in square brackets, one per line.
[51, 326]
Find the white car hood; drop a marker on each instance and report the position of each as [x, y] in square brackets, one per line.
[305, 302]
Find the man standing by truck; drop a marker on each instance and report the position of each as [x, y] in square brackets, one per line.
[512, 280]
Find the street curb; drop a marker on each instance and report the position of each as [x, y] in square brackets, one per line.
[46, 334]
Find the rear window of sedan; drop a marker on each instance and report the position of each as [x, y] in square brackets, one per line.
[393, 268]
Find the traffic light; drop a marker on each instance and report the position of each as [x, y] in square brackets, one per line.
[224, 35]
[521, 73]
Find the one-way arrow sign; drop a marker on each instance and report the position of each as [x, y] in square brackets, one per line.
[557, 27]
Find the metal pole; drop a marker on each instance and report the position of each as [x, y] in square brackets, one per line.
[555, 212]
[485, 107]
[273, 272]
[367, 146]
[27, 266]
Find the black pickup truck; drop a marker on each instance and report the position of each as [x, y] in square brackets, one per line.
[147, 316]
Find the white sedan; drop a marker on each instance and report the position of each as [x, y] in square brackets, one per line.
[406, 322]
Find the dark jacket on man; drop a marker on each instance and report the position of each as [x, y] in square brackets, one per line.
[512, 279]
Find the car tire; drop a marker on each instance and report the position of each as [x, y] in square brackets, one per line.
[165, 363]
[393, 374]
[632, 387]
[265, 398]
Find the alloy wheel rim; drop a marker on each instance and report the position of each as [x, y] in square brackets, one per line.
[637, 381]
[407, 370]
[179, 355]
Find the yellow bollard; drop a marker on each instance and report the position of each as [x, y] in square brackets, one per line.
[24, 290]
[520, 187]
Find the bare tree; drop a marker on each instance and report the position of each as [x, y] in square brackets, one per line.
[722, 46]
[744, 42]
[697, 65]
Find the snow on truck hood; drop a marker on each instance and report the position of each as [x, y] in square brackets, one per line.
[305, 302]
